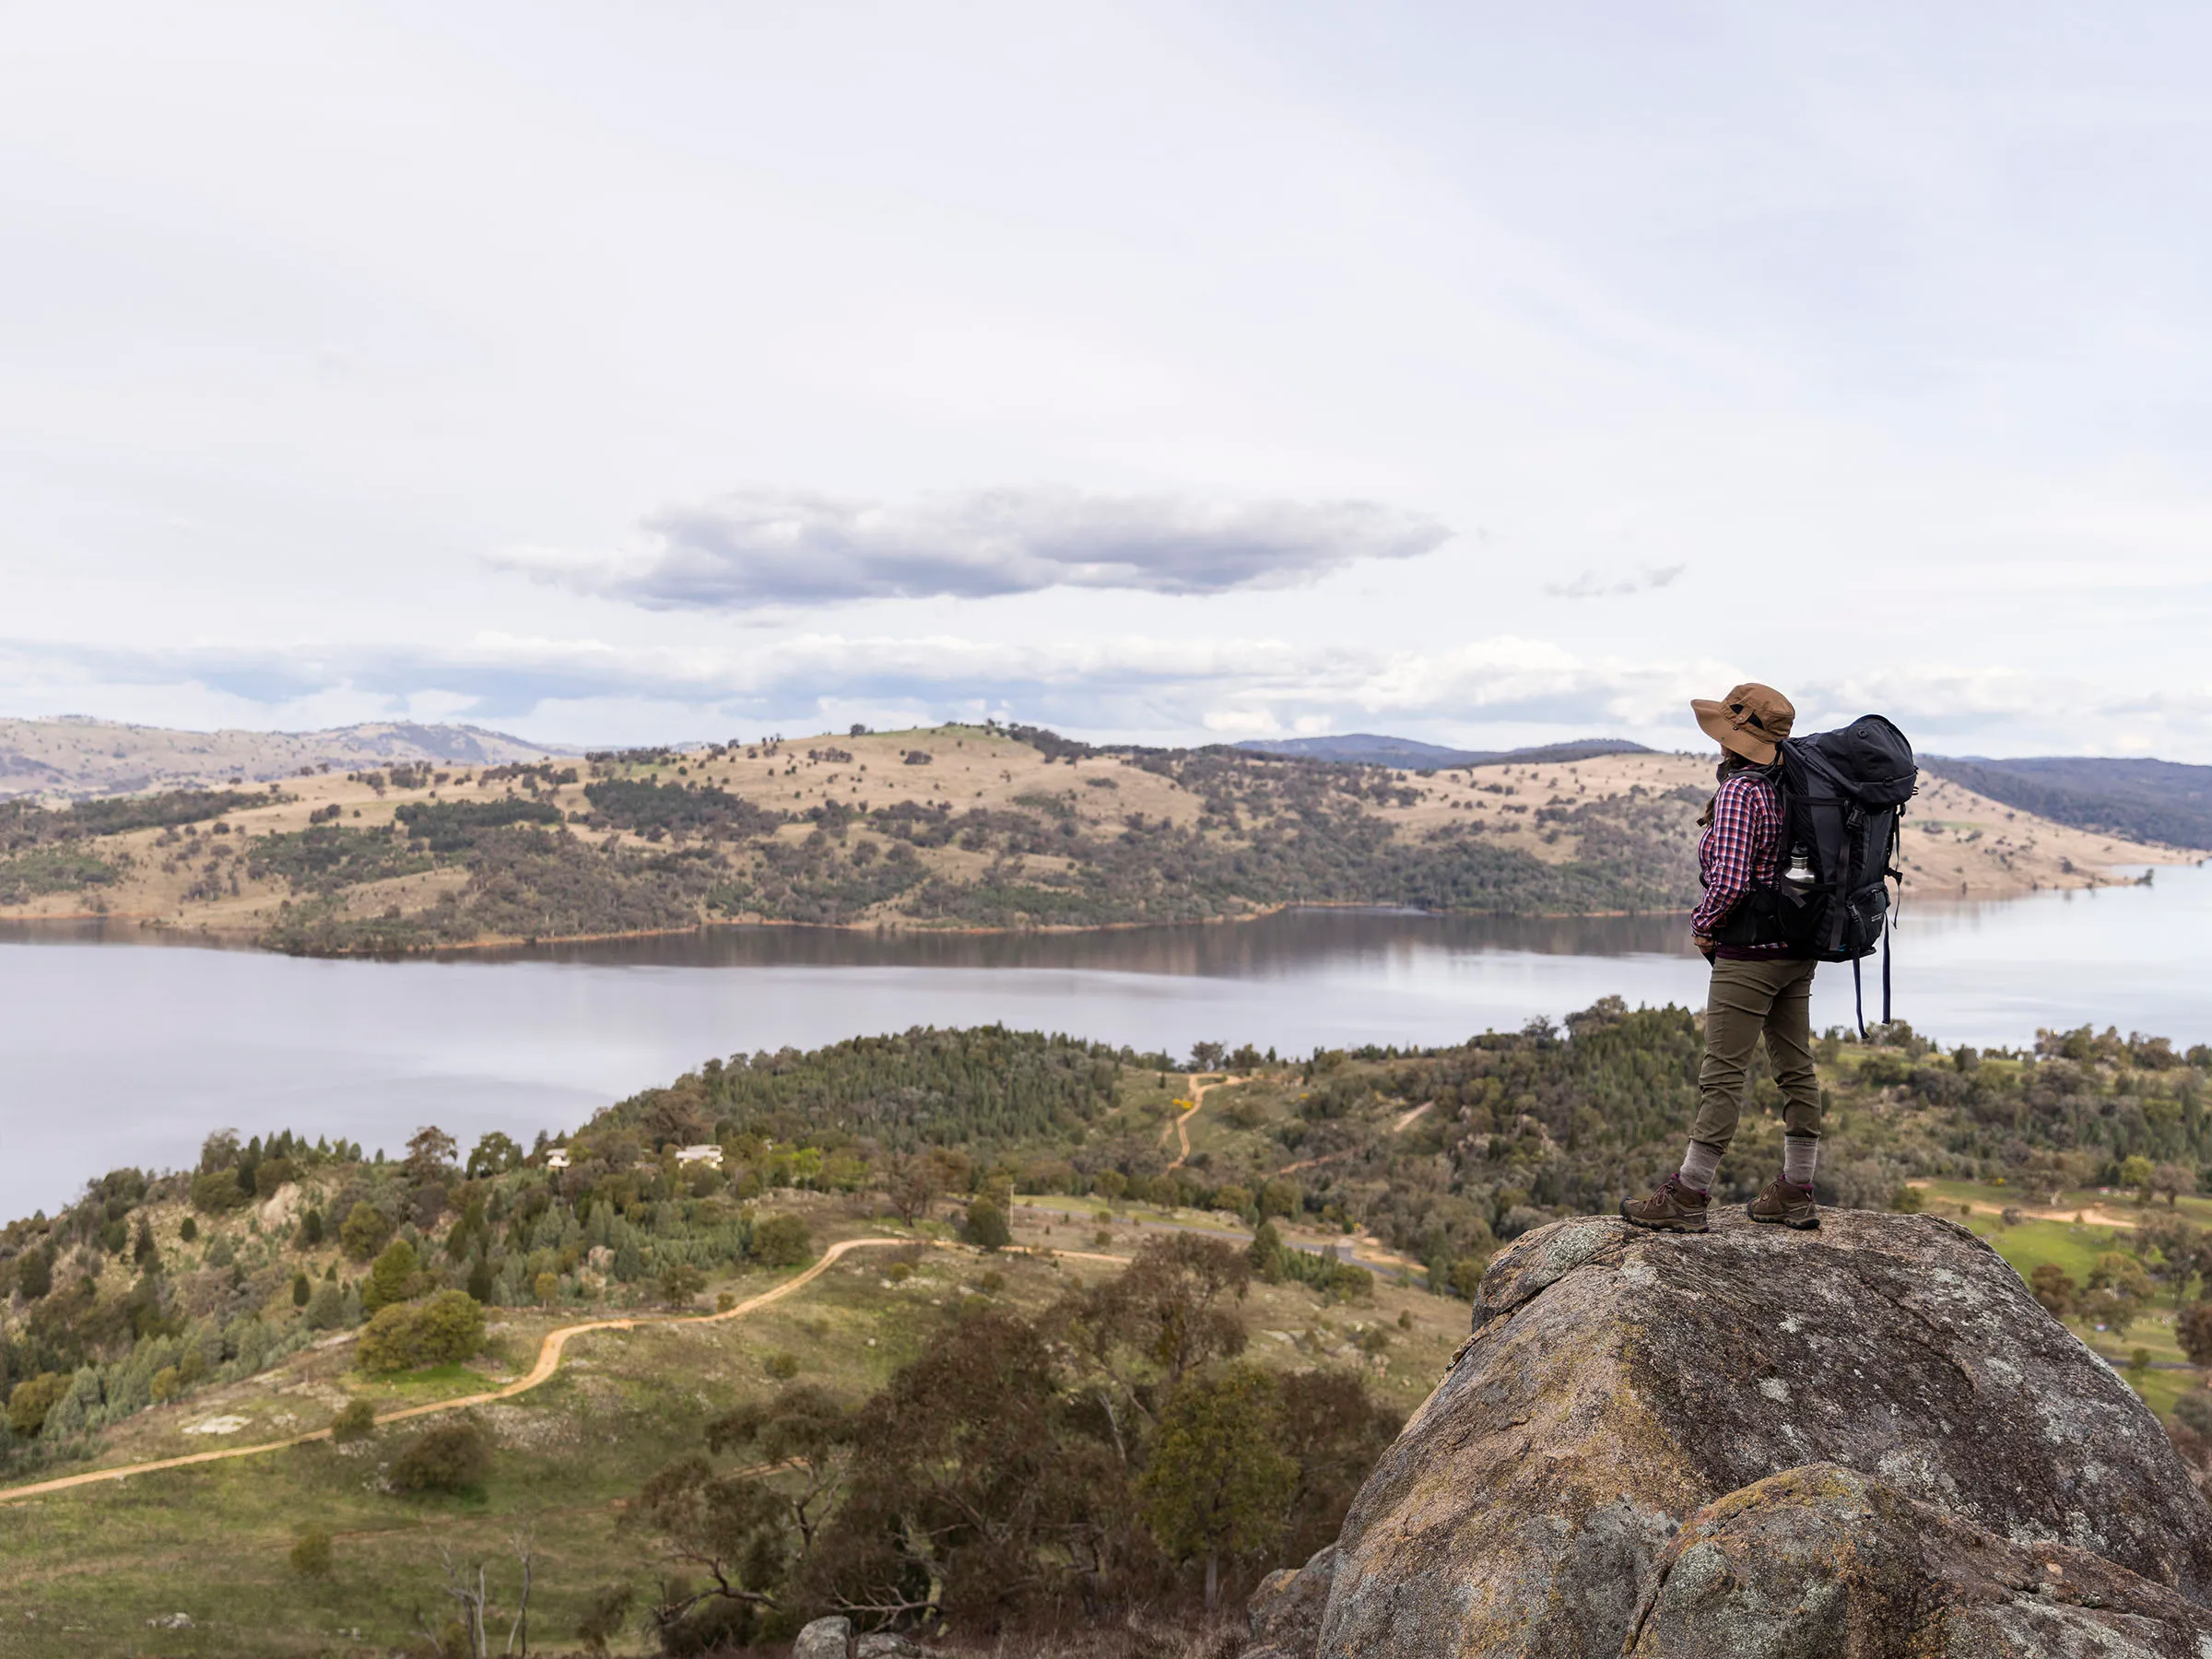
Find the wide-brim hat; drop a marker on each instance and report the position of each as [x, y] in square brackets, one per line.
[1750, 721]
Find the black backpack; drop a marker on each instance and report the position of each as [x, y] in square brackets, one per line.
[1844, 794]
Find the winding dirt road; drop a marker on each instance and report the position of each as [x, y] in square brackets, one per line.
[549, 1362]
[1182, 1134]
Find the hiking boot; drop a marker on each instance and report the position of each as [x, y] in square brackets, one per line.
[1786, 1202]
[1673, 1208]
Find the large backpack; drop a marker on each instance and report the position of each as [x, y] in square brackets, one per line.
[1844, 794]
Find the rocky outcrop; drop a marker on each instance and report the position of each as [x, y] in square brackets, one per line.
[1619, 1383]
[1823, 1563]
[833, 1638]
[1287, 1609]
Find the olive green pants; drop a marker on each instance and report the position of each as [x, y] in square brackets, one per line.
[1750, 1000]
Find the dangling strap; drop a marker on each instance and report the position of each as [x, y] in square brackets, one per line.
[1858, 993]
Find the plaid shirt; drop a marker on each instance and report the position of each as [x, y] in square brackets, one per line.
[1738, 852]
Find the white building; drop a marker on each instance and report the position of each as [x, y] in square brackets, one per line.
[710, 1156]
[556, 1158]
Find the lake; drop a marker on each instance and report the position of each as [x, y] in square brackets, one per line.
[130, 1053]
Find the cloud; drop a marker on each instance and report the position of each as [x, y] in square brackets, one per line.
[1149, 688]
[782, 547]
[1590, 584]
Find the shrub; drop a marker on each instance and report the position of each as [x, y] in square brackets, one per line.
[327, 1307]
[782, 1367]
[311, 1554]
[33, 1399]
[364, 1232]
[34, 1273]
[986, 1227]
[782, 1241]
[407, 1335]
[451, 1457]
[2193, 1409]
[188, 1230]
[2194, 1329]
[302, 1290]
[680, 1283]
[393, 1279]
[603, 1615]
[356, 1421]
[218, 1191]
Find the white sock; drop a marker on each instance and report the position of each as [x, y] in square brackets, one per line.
[1799, 1154]
[1697, 1165]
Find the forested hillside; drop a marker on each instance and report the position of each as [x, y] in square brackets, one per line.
[1084, 1377]
[962, 827]
[2160, 801]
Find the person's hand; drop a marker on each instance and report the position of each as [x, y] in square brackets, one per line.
[1704, 944]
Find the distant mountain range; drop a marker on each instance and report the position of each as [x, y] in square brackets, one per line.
[1366, 748]
[2162, 800]
[76, 755]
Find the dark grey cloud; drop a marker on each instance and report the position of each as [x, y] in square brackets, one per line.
[782, 547]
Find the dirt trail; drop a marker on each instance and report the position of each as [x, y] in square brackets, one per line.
[549, 1362]
[1182, 1134]
[2090, 1215]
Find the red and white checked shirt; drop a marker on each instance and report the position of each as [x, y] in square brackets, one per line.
[1739, 850]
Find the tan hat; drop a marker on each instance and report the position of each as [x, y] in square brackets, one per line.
[1752, 720]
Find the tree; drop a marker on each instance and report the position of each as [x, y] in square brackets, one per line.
[680, 1282]
[495, 1154]
[801, 1429]
[310, 1554]
[356, 1421]
[311, 1230]
[364, 1230]
[468, 1584]
[393, 1279]
[2172, 1180]
[450, 1457]
[1168, 1307]
[912, 1184]
[302, 1291]
[1206, 1056]
[2139, 1172]
[986, 1227]
[604, 1612]
[1218, 1483]
[2193, 1329]
[782, 1242]
[143, 1250]
[2054, 1288]
[2118, 1290]
[34, 1273]
[430, 1153]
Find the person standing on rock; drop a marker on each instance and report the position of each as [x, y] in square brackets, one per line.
[1758, 989]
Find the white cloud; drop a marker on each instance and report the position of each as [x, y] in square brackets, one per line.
[1591, 584]
[787, 546]
[1135, 687]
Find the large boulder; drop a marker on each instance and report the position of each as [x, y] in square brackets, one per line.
[1618, 1381]
[1823, 1563]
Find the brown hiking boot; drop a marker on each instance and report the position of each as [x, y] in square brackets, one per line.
[1786, 1202]
[1673, 1208]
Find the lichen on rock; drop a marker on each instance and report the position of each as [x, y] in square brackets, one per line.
[1619, 1382]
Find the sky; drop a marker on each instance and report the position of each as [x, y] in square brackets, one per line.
[1478, 373]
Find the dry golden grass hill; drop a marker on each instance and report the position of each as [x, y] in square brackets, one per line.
[950, 827]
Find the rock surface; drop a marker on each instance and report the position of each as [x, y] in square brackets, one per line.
[1287, 1609]
[1618, 1381]
[1823, 1563]
[824, 1638]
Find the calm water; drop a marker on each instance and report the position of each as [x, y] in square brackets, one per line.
[131, 1053]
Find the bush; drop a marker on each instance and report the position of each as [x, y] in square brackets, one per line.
[393, 1279]
[33, 1399]
[356, 1421]
[218, 1191]
[2193, 1410]
[782, 1241]
[311, 1554]
[782, 1367]
[364, 1232]
[2194, 1329]
[327, 1307]
[452, 1457]
[987, 1227]
[407, 1335]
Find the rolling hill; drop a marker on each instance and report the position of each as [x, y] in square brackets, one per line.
[960, 827]
[73, 756]
[1366, 748]
[2144, 800]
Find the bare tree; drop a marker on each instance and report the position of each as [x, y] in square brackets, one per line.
[474, 1600]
